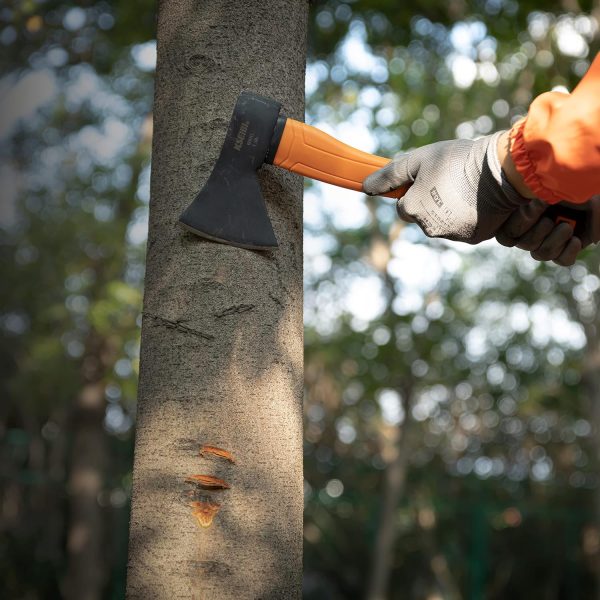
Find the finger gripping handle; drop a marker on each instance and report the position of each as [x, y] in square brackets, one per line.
[310, 152]
[577, 219]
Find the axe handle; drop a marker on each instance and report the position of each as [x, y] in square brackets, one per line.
[310, 152]
[577, 219]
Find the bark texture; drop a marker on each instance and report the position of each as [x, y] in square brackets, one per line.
[222, 346]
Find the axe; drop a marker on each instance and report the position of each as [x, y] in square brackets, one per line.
[230, 207]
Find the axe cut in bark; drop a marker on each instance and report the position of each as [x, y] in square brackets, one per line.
[205, 512]
[208, 482]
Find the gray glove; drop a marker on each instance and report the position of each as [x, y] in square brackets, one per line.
[458, 190]
[529, 228]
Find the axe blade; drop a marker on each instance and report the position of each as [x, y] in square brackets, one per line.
[230, 207]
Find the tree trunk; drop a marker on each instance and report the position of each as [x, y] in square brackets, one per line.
[86, 572]
[222, 352]
[590, 379]
[393, 491]
[591, 387]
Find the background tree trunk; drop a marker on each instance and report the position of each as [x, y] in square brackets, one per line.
[590, 379]
[591, 387]
[87, 572]
[393, 491]
[222, 351]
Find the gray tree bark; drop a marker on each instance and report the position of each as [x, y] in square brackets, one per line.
[222, 339]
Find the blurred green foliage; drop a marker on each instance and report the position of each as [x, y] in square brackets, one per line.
[472, 377]
[467, 393]
[75, 168]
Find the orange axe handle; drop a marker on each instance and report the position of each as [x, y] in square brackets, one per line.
[313, 153]
[310, 152]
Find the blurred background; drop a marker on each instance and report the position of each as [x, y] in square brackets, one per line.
[452, 432]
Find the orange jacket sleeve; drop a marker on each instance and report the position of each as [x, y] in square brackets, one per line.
[556, 148]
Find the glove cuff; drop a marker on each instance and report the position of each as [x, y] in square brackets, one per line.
[514, 198]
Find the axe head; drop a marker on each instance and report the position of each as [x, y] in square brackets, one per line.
[230, 207]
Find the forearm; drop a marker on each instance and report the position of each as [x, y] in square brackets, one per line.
[555, 150]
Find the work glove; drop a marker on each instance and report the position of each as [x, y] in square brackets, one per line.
[530, 228]
[458, 190]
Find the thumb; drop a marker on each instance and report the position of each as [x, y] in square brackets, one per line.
[394, 175]
[404, 205]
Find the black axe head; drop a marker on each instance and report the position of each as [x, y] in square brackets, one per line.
[230, 207]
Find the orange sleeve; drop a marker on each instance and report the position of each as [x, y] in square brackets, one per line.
[556, 148]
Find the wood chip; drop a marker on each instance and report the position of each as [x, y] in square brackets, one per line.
[220, 452]
[208, 482]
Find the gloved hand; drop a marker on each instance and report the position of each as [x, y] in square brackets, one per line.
[530, 229]
[458, 191]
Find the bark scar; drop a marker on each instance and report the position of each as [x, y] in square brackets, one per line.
[275, 299]
[236, 309]
[205, 512]
[200, 63]
[179, 326]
